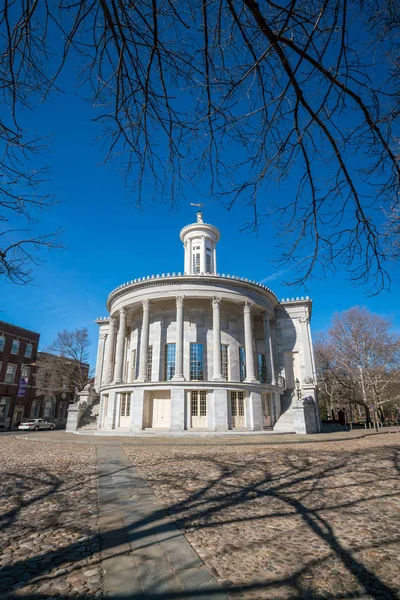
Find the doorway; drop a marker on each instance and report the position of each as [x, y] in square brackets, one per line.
[237, 409]
[198, 408]
[161, 410]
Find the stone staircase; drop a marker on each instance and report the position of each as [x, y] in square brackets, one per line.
[89, 419]
[285, 422]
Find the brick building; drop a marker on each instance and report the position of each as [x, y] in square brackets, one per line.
[24, 390]
[18, 352]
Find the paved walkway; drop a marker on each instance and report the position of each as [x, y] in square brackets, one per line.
[204, 439]
[144, 554]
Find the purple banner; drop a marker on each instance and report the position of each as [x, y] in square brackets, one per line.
[23, 384]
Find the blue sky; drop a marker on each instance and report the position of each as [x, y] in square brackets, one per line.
[107, 241]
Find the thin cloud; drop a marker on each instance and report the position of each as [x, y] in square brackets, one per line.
[274, 276]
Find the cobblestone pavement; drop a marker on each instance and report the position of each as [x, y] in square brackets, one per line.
[308, 521]
[49, 535]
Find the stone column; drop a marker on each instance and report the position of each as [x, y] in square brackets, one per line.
[109, 366]
[217, 339]
[100, 359]
[214, 260]
[269, 348]
[307, 350]
[120, 351]
[203, 254]
[187, 257]
[248, 340]
[144, 342]
[179, 340]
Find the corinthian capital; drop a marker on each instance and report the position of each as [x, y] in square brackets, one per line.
[179, 301]
[248, 306]
[216, 301]
[122, 312]
[146, 304]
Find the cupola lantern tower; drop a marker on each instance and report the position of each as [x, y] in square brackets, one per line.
[199, 242]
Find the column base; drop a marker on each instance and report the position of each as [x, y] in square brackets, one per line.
[142, 380]
[251, 380]
[219, 378]
[178, 378]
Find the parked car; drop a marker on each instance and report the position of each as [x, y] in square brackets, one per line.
[36, 424]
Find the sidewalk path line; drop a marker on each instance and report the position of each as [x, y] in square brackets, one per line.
[144, 554]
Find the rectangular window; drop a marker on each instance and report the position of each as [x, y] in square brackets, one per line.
[28, 351]
[196, 263]
[224, 361]
[242, 364]
[125, 408]
[262, 368]
[208, 262]
[198, 403]
[15, 347]
[10, 373]
[237, 404]
[196, 362]
[149, 361]
[2, 342]
[169, 361]
[35, 410]
[4, 405]
[133, 365]
[25, 372]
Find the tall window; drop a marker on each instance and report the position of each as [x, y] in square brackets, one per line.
[25, 370]
[4, 405]
[2, 342]
[208, 261]
[198, 403]
[28, 351]
[242, 364]
[262, 368]
[125, 407]
[237, 404]
[10, 373]
[15, 347]
[149, 361]
[133, 365]
[224, 361]
[35, 410]
[169, 361]
[196, 362]
[196, 259]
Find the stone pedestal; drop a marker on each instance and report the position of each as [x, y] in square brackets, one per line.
[137, 401]
[220, 410]
[305, 418]
[75, 411]
[73, 418]
[177, 409]
[255, 413]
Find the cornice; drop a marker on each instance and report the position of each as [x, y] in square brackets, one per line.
[201, 280]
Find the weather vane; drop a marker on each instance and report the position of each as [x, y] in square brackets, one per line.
[199, 214]
[196, 204]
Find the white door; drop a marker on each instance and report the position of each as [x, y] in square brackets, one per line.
[198, 408]
[237, 409]
[161, 411]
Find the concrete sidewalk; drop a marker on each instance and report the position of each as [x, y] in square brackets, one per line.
[144, 555]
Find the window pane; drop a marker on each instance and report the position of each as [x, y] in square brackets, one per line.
[194, 404]
[203, 404]
[233, 404]
[240, 404]
[208, 262]
[2, 342]
[169, 361]
[242, 364]
[28, 350]
[196, 362]
[196, 263]
[25, 371]
[10, 373]
[224, 361]
[15, 347]
[149, 361]
[262, 368]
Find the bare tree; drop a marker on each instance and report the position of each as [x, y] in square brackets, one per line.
[359, 359]
[64, 364]
[247, 95]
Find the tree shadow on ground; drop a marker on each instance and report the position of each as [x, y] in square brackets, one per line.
[302, 490]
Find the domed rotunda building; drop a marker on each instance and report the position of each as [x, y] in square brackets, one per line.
[199, 351]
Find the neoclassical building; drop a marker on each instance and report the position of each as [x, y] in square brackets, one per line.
[202, 351]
